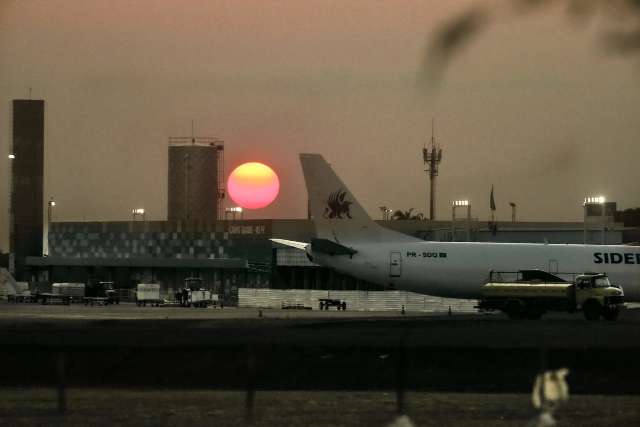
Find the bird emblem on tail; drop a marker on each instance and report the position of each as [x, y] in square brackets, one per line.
[337, 206]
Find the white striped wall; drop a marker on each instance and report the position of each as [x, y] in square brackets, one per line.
[356, 300]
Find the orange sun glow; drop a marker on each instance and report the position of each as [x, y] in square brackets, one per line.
[253, 185]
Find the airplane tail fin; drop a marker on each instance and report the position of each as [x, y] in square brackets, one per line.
[336, 214]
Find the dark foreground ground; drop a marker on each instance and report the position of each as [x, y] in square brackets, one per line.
[117, 407]
[307, 368]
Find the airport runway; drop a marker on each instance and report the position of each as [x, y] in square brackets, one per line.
[127, 345]
[127, 324]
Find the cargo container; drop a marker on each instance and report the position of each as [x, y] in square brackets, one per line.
[148, 293]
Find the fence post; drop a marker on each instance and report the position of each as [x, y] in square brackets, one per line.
[251, 383]
[400, 365]
[60, 373]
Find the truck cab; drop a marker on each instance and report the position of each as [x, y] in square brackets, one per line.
[596, 296]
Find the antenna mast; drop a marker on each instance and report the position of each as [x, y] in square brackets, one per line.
[432, 156]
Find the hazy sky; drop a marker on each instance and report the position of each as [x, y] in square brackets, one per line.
[534, 105]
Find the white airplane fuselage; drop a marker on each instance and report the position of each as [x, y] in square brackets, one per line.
[364, 249]
[459, 269]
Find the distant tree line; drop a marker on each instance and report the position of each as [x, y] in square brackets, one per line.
[629, 217]
[400, 214]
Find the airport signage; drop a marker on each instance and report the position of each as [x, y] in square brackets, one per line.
[616, 258]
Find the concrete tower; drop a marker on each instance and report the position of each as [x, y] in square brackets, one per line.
[27, 172]
[196, 179]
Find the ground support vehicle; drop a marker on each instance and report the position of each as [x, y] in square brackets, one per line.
[96, 301]
[22, 293]
[24, 297]
[68, 292]
[533, 292]
[61, 293]
[325, 303]
[201, 298]
[101, 293]
[51, 298]
[194, 294]
[148, 293]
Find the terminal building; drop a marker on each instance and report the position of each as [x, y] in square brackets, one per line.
[229, 255]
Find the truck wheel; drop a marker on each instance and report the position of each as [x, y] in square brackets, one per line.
[610, 313]
[592, 310]
[514, 310]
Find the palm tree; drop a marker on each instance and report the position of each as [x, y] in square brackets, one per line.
[399, 214]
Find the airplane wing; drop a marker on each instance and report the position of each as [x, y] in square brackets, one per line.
[298, 245]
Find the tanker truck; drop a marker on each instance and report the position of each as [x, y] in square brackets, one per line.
[528, 294]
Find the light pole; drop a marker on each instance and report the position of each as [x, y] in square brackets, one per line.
[386, 213]
[186, 187]
[233, 211]
[11, 219]
[456, 204]
[513, 211]
[50, 205]
[137, 212]
[591, 201]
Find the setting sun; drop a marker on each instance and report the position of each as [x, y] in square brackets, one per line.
[253, 185]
